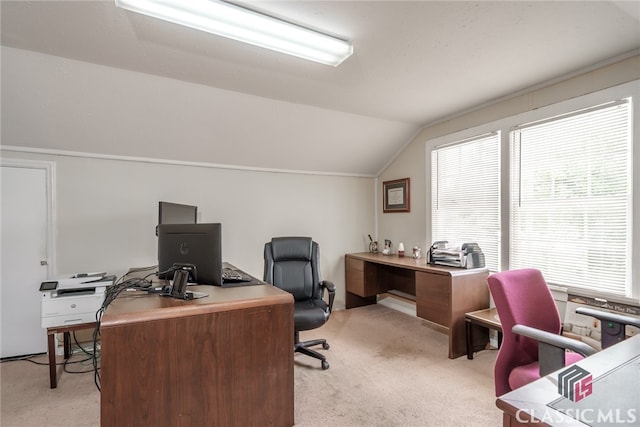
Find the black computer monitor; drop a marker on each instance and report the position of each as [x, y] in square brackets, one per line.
[197, 245]
[176, 213]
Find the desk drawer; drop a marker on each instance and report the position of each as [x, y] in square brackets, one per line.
[354, 270]
[354, 264]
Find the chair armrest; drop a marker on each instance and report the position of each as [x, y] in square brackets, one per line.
[609, 317]
[551, 347]
[612, 325]
[331, 289]
[554, 340]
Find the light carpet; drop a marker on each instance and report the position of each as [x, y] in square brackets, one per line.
[388, 368]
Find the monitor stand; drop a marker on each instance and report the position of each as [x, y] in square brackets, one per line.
[179, 287]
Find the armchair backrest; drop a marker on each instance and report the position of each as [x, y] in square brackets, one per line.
[292, 264]
[521, 297]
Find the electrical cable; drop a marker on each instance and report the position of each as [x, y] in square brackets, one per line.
[75, 339]
[111, 293]
[26, 357]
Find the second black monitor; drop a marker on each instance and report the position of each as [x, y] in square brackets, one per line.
[198, 245]
[176, 213]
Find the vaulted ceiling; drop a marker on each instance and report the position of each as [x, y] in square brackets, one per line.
[415, 63]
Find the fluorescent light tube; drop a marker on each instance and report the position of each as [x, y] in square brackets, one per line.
[228, 20]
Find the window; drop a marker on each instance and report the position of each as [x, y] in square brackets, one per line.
[465, 179]
[550, 188]
[571, 198]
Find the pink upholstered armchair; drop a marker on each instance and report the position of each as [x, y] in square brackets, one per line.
[531, 345]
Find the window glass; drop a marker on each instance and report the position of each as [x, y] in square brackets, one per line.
[466, 194]
[570, 210]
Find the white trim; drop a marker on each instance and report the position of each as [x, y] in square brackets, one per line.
[505, 124]
[398, 304]
[376, 211]
[50, 172]
[66, 153]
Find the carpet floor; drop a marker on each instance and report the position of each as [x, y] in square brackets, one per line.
[388, 368]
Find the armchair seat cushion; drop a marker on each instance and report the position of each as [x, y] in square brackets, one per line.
[310, 314]
[523, 375]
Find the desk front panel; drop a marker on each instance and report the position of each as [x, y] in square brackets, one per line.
[397, 278]
[433, 297]
[226, 367]
[354, 271]
[366, 279]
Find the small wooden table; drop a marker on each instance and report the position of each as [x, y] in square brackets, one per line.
[487, 318]
[51, 346]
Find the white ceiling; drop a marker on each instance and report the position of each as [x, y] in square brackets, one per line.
[415, 63]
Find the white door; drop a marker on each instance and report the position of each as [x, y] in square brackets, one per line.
[26, 194]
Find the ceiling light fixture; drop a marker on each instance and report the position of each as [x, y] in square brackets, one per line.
[235, 22]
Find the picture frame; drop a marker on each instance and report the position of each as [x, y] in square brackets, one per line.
[396, 196]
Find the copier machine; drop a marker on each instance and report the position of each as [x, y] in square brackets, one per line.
[73, 300]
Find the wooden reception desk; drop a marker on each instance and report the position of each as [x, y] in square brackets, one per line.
[442, 294]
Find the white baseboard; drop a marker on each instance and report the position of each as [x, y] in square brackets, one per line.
[398, 304]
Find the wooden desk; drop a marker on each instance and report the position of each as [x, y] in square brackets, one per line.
[615, 397]
[51, 346]
[443, 294]
[223, 360]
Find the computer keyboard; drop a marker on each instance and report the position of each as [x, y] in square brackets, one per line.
[231, 275]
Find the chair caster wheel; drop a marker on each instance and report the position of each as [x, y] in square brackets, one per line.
[325, 346]
[325, 365]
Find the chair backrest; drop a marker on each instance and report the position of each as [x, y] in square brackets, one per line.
[292, 264]
[521, 297]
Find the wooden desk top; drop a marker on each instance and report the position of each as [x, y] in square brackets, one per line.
[531, 402]
[487, 316]
[411, 263]
[222, 360]
[138, 306]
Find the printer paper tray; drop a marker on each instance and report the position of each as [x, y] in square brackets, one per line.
[69, 310]
[76, 319]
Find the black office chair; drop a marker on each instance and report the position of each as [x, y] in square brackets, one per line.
[292, 264]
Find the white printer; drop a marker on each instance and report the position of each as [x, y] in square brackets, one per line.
[73, 300]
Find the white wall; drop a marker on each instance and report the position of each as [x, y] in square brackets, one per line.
[106, 212]
[415, 226]
[107, 208]
[59, 110]
[80, 106]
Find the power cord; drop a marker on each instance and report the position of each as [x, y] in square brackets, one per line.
[111, 293]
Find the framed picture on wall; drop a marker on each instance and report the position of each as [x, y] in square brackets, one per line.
[396, 196]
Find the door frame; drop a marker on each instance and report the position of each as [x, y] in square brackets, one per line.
[50, 172]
